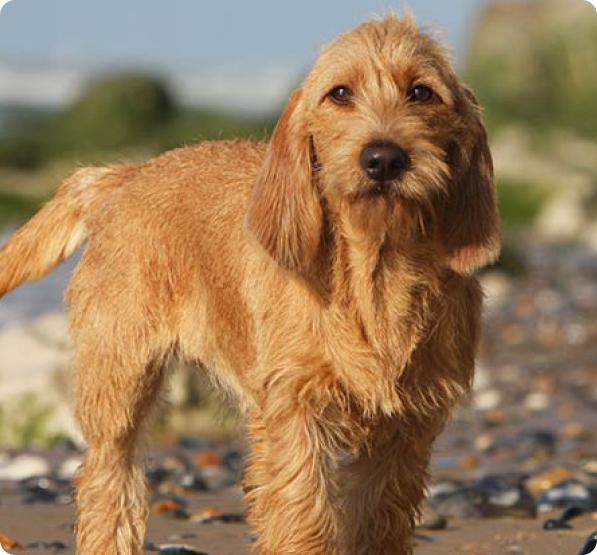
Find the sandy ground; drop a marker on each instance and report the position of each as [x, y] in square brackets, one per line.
[506, 536]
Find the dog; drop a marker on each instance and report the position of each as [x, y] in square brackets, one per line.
[325, 280]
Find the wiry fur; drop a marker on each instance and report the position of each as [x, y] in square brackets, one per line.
[343, 320]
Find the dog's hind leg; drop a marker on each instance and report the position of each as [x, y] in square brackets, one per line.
[112, 407]
[119, 371]
[114, 399]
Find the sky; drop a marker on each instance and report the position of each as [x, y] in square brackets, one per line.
[198, 35]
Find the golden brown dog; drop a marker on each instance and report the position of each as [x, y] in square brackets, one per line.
[323, 279]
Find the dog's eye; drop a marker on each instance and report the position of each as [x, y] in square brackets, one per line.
[341, 95]
[421, 93]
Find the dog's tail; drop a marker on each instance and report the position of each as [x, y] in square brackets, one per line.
[53, 234]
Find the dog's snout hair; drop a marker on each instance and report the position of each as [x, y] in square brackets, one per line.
[325, 280]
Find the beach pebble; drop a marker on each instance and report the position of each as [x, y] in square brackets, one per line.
[174, 464]
[46, 489]
[233, 461]
[571, 512]
[190, 481]
[543, 481]
[217, 477]
[568, 492]
[488, 399]
[491, 497]
[54, 546]
[23, 467]
[556, 524]
[9, 543]
[432, 520]
[179, 550]
[70, 467]
[496, 417]
[207, 458]
[216, 516]
[194, 442]
[537, 401]
[169, 508]
[589, 545]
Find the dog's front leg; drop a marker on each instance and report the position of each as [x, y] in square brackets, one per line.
[382, 489]
[290, 474]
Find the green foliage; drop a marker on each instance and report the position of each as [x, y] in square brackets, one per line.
[20, 152]
[24, 421]
[122, 113]
[200, 125]
[536, 63]
[15, 207]
[519, 202]
[114, 112]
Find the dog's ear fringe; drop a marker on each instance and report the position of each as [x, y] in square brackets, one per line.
[285, 214]
[469, 228]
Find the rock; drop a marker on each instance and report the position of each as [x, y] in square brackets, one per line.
[217, 477]
[70, 467]
[589, 545]
[492, 497]
[571, 512]
[44, 489]
[545, 480]
[233, 461]
[528, 446]
[566, 493]
[506, 495]
[207, 458]
[194, 442]
[556, 524]
[54, 546]
[170, 508]
[214, 515]
[468, 462]
[488, 399]
[537, 401]
[179, 550]
[9, 543]
[432, 520]
[190, 481]
[23, 467]
[496, 287]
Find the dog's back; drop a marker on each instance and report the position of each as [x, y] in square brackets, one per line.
[200, 197]
[166, 248]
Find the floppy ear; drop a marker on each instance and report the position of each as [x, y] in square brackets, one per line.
[285, 213]
[469, 228]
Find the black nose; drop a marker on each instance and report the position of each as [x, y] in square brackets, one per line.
[383, 161]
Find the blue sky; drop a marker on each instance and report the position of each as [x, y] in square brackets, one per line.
[227, 35]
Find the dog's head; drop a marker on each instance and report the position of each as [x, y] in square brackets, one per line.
[382, 115]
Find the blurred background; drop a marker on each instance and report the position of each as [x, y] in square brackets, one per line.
[101, 82]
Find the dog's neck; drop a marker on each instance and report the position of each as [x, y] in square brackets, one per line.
[368, 234]
[382, 270]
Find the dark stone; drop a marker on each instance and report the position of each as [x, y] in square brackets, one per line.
[180, 550]
[556, 524]
[46, 545]
[589, 545]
